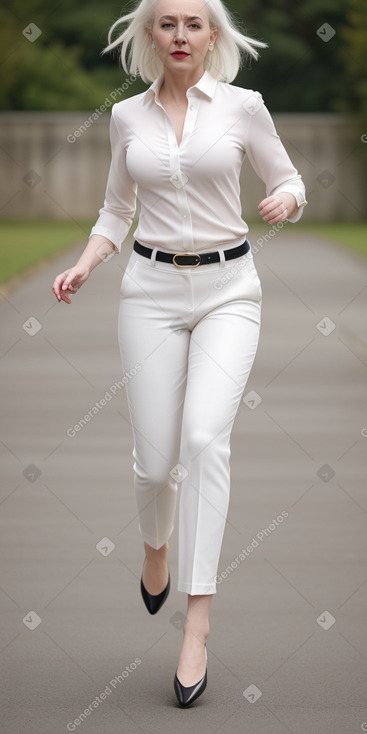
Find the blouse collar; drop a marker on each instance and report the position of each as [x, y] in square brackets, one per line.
[206, 84]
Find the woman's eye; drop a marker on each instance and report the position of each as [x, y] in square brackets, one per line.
[169, 25]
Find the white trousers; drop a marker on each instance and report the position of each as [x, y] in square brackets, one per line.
[188, 338]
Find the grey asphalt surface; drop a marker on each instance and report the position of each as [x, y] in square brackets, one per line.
[287, 651]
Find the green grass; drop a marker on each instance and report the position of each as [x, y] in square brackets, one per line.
[25, 242]
[352, 235]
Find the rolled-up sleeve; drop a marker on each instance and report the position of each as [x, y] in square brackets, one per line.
[268, 157]
[117, 213]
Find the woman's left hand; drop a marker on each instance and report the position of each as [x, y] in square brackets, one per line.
[275, 209]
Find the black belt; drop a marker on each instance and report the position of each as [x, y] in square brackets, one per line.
[192, 259]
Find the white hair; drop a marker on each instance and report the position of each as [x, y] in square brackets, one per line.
[138, 57]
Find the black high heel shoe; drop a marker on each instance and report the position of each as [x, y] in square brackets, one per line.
[153, 602]
[186, 695]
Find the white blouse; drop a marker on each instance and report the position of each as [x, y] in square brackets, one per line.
[190, 193]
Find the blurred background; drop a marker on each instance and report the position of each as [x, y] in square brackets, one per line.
[57, 92]
[290, 621]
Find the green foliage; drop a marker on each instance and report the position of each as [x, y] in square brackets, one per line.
[64, 70]
[354, 56]
[352, 96]
[51, 74]
[299, 72]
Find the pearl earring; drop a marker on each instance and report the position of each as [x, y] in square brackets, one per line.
[210, 47]
[153, 46]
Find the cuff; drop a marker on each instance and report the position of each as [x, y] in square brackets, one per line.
[299, 194]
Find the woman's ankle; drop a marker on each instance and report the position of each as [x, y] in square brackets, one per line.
[156, 553]
[200, 630]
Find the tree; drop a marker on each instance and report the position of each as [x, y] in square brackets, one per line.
[354, 57]
[47, 64]
[302, 70]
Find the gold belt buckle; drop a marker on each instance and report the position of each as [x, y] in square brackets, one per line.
[187, 254]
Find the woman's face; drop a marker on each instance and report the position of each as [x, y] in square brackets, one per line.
[181, 34]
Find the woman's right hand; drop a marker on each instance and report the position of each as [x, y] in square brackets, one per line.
[69, 282]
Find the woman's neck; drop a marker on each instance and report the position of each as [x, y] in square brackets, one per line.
[175, 86]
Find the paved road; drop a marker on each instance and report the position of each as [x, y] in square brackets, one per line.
[287, 650]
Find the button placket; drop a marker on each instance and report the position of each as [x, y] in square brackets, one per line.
[178, 178]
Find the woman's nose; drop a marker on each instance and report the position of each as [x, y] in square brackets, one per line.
[180, 33]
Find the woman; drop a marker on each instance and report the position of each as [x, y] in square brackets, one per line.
[190, 297]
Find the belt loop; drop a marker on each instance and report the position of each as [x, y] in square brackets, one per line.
[222, 259]
[154, 255]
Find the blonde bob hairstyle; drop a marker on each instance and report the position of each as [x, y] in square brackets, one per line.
[138, 57]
